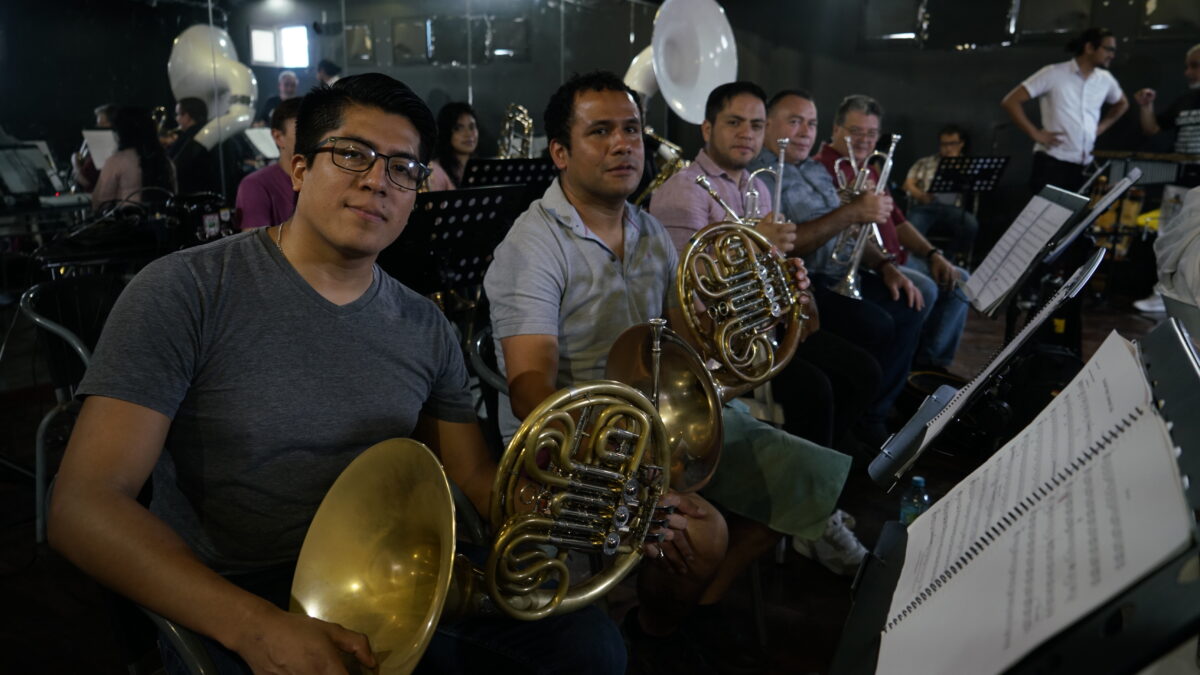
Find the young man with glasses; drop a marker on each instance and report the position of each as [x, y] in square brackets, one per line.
[1070, 95]
[246, 374]
[943, 211]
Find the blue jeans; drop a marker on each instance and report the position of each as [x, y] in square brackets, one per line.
[960, 223]
[586, 641]
[945, 315]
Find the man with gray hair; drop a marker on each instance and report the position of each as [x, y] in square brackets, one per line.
[288, 84]
[1183, 114]
[856, 131]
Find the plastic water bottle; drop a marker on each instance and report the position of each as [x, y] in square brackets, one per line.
[914, 501]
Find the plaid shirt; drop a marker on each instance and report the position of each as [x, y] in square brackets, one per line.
[922, 173]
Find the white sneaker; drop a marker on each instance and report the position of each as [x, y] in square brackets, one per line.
[1151, 304]
[837, 549]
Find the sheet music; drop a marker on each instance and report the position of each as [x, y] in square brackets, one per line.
[263, 142]
[102, 143]
[1079, 541]
[1015, 252]
[952, 409]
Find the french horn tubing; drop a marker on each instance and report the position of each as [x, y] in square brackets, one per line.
[585, 472]
[735, 290]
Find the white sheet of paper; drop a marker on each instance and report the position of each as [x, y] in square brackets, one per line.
[1081, 541]
[102, 143]
[263, 142]
[1011, 256]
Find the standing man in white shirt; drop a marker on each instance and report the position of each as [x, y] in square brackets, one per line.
[1071, 95]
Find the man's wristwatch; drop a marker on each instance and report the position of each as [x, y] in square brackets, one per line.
[932, 251]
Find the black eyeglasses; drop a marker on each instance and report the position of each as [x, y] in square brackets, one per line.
[354, 155]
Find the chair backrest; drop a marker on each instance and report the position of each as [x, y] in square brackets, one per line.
[481, 351]
[70, 313]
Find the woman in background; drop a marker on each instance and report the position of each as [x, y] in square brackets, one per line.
[458, 135]
[139, 162]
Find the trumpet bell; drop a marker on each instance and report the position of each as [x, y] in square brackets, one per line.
[688, 401]
[377, 556]
[693, 52]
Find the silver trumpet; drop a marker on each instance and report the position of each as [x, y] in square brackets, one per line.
[850, 245]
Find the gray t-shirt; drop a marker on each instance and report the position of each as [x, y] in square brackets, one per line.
[553, 276]
[271, 389]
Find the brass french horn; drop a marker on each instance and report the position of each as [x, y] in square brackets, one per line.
[739, 301]
[584, 473]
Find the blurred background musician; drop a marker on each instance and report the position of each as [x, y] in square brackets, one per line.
[856, 128]
[458, 137]
[194, 166]
[139, 162]
[1070, 95]
[266, 197]
[944, 211]
[288, 83]
[885, 325]
[1182, 115]
[328, 72]
[83, 168]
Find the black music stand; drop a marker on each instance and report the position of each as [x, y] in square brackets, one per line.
[535, 173]
[968, 174]
[902, 449]
[448, 242]
[1135, 626]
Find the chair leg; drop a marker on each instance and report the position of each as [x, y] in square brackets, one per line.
[757, 604]
[39, 473]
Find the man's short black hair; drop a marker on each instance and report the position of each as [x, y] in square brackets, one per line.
[952, 128]
[860, 103]
[322, 108]
[195, 109]
[1092, 36]
[329, 67]
[722, 95]
[801, 93]
[287, 110]
[560, 111]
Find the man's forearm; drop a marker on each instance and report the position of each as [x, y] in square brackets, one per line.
[813, 234]
[1017, 113]
[912, 239]
[116, 540]
[1148, 121]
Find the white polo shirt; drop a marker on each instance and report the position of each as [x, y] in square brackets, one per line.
[1070, 103]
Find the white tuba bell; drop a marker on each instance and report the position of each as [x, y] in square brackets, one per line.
[693, 51]
[204, 65]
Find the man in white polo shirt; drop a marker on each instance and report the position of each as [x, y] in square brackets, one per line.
[1071, 94]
